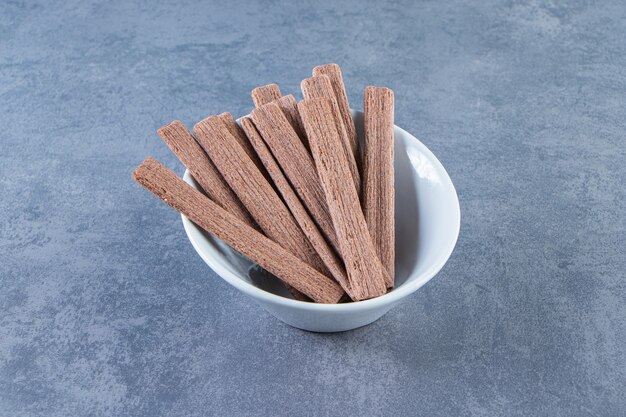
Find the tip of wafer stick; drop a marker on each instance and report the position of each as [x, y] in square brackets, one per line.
[143, 167]
[265, 94]
[226, 115]
[207, 120]
[172, 124]
[370, 89]
[331, 66]
[267, 87]
[272, 105]
[315, 79]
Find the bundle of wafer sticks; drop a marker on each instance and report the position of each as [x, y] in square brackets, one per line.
[290, 188]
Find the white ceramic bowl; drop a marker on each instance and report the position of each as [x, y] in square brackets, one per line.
[427, 226]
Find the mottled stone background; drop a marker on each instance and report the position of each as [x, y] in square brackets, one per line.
[105, 309]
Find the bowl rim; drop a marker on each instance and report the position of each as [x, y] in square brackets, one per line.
[389, 298]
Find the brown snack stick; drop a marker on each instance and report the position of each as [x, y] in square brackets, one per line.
[297, 164]
[333, 72]
[308, 226]
[185, 147]
[178, 138]
[365, 271]
[201, 210]
[265, 94]
[235, 130]
[321, 86]
[289, 106]
[378, 174]
[254, 191]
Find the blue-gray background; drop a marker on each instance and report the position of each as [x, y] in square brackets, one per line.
[105, 309]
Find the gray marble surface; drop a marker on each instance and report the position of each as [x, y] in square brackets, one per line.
[106, 310]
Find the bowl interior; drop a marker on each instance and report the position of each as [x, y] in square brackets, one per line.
[427, 225]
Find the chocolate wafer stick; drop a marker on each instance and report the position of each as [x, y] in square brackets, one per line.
[366, 274]
[303, 218]
[235, 130]
[265, 94]
[178, 138]
[321, 86]
[289, 106]
[333, 72]
[162, 182]
[254, 191]
[378, 174]
[296, 162]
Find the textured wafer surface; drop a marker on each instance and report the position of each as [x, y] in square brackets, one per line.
[365, 271]
[254, 191]
[265, 94]
[320, 86]
[333, 72]
[178, 138]
[289, 106]
[378, 174]
[296, 163]
[258, 248]
[235, 130]
[306, 223]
